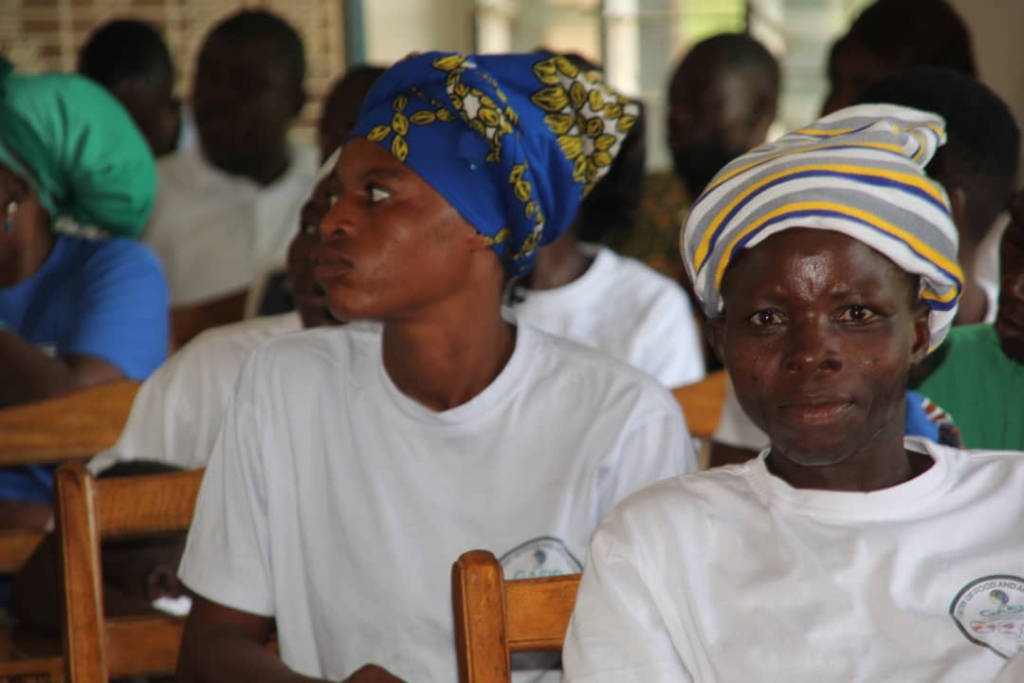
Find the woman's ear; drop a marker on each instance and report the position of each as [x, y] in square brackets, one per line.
[922, 334]
[714, 329]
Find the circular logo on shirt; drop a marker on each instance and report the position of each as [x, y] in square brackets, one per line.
[544, 556]
[990, 611]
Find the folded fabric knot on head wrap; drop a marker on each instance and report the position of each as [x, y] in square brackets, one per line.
[79, 149]
[513, 142]
[858, 171]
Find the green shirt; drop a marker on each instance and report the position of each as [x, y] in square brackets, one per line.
[981, 388]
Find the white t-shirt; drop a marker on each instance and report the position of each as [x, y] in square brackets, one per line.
[178, 410]
[626, 309]
[733, 575]
[337, 504]
[216, 232]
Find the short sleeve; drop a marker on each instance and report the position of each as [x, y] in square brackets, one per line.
[617, 633]
[669, 347]
[735, 428]
[656, 446]
[123, 314]
[227, 555]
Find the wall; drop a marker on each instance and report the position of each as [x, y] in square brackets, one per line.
[46, 35]
[394, 28]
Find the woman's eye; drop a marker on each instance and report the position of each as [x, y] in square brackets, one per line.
[765, 319]
[378, 194]
[856, 314]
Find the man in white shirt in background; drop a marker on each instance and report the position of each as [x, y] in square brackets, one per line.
[224, 209]
[177, 412]
[582, 290]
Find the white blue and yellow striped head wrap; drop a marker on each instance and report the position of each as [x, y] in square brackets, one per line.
[858, 171]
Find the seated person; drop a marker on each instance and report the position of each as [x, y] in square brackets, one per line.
[130, 59]
[224, 212]
[587, 293]
[353, 466]
[722, 99]
[270, 293]
[890, 36]
[977, 167]
[177, 412]
[845, 551]
[80, 303]
[980, 368]
[342, 106]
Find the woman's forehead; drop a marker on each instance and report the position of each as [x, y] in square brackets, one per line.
[822, 258]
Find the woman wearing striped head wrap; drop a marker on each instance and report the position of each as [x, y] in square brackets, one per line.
[359, 462]
[826, 263]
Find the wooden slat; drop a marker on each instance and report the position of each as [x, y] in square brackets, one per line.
[494, 618]
[70, 427]
[15, 547]
[145, 506]
[143, 645]
[702, 403]
[538, 612]
[478, 603]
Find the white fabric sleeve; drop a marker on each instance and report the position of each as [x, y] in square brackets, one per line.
[1013, 672]
[160, 426]
[656, 448]
[227, 555]
[668, 344]
[617, 633]
[735, 428]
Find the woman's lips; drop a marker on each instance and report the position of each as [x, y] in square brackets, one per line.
[815, 411]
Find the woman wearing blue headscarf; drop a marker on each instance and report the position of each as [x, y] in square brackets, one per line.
[357, 463]
[80, 302]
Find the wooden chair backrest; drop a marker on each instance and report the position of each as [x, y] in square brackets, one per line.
[74, 426]
[702, 403]
[16, 546]
[88, 510]
[495, 617]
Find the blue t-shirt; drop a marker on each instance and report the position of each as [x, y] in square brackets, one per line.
[103, 298]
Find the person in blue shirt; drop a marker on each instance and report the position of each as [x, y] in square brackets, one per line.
[81, 302]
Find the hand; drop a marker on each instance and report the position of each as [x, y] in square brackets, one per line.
[371, 673]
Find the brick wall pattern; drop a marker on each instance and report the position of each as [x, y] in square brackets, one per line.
[46, 35]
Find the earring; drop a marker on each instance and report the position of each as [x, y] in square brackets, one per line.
[12, 210]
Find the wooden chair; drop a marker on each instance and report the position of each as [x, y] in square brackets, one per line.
[702, 403]
[495, 617]
[70, 427]
[88, 510]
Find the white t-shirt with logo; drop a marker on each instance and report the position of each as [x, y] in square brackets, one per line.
[215, 232]
[733, 575]
[337, 504]
[626, 309]
[177, 412]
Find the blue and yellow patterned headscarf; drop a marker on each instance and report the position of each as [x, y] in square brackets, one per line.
[79, 148]
[513, 142]
[858, 171]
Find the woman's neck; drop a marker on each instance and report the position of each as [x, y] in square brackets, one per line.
[25, 255]
[558, 264]
[444, 363]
